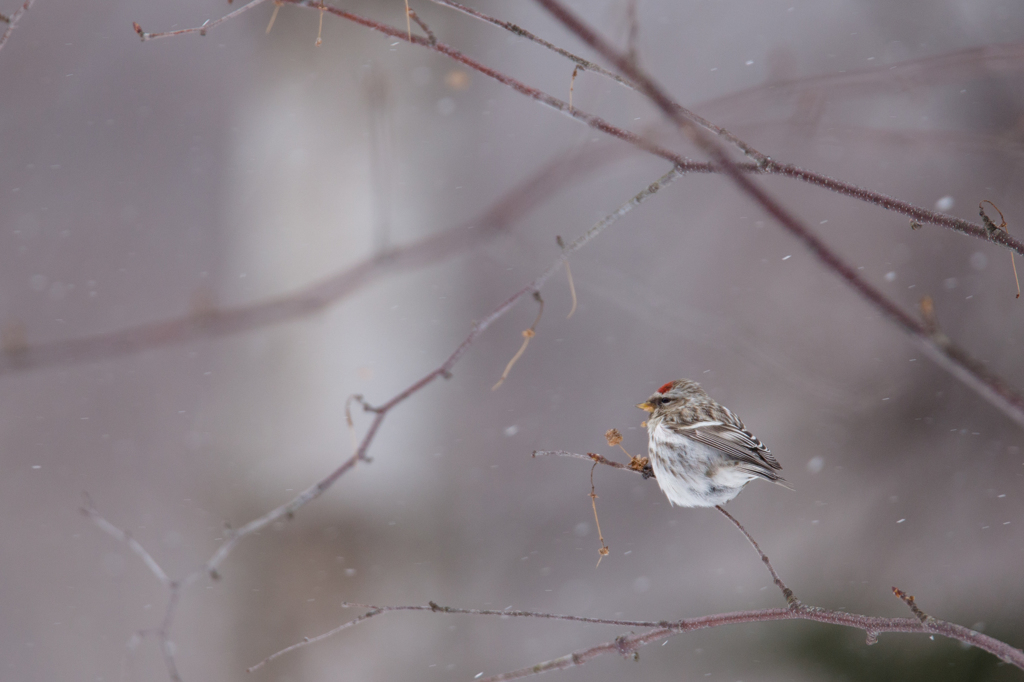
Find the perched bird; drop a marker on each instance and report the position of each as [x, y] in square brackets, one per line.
[700, 452]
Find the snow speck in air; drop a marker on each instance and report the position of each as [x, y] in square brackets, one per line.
[478, 676]
[787, 257]
[750, 62]
[901, 521]
[890, 276]
[581, 530]
[945, 203]
[511, 430]
[979, 261]
[949, 283]
[40, 466]
[816, 464]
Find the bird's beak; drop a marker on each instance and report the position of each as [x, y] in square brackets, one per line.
[646, 407]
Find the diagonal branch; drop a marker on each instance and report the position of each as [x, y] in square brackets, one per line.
[765, 164]
[174, 587]
[793, 602]
[360, 455]
[918, 213]
[124, 536]
[210, 324]
[953, 360]
[12, 21]
[949, 357]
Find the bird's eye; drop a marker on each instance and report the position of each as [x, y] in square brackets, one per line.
[662, 400]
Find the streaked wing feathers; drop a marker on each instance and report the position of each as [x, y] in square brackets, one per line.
[731, 438]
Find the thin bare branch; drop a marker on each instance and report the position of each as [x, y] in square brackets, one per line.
[659, 630]
[786, 592]
[435, 608]
[163, 633]
[628, 645]
[320, 27]
[12, 21]
[522, 32]
[568, 273]
[201, 30]
[273, 17]
[124, 536]
[422, 24]
[582, 63]
[214, 323]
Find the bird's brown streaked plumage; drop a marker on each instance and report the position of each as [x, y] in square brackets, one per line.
[701, 453]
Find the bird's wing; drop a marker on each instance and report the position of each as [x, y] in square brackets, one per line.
[732, 439]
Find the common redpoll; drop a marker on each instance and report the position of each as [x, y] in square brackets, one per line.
[700, 452]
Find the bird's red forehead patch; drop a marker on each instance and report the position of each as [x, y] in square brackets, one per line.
[665, 388]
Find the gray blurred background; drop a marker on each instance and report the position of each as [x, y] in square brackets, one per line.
[141, 181]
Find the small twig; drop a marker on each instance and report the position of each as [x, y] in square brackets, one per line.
[993, 229]
[793, 602]
[202, 29]
[124, 536]
[582, 63]
[568, 272]
[273, 17]
[408, 25]
[586, 65]
[436, 608]
[604, 551]
[320, 29]
[174, 587]
[908, 599]
[348, 417]
[572, 83]
[12, 21]
[422, 24]
[527, 335]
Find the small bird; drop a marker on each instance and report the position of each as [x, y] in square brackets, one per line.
[700, 452]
